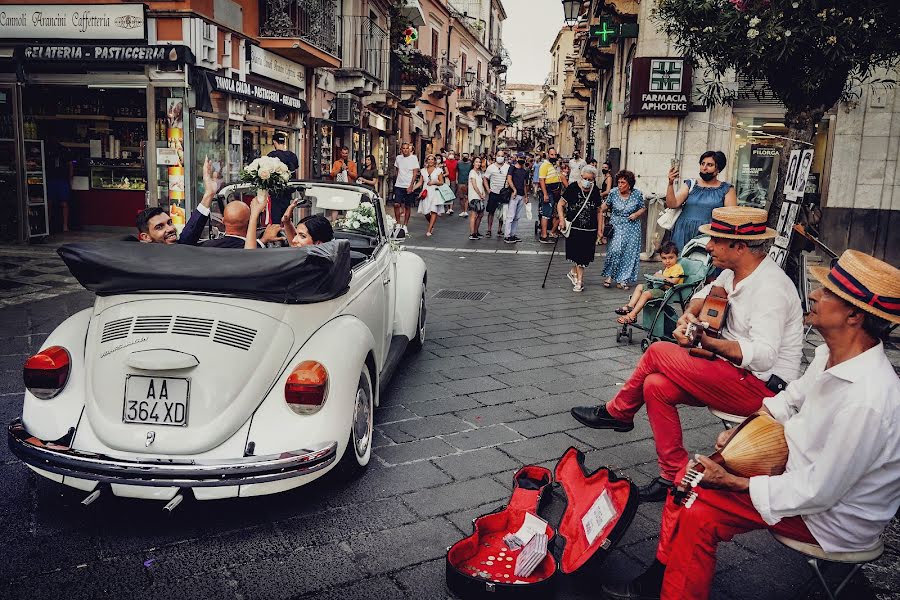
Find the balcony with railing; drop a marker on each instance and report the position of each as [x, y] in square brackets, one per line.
[365, 59]
[302, 30]
[471, 97]
[410, 73]
[446, 80]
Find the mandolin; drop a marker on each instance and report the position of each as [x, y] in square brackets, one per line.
[712, 317]
[757, 447]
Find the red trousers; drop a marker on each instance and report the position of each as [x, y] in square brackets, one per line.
[689, 537]
[666, 376]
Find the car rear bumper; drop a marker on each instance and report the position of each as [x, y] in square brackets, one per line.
[180, 472]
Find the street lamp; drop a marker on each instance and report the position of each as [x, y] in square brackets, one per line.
[571, 8]
[469, 76]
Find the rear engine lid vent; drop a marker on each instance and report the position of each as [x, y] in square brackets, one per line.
[193, 326]
[116, 330]
[148, 324]
[236, 336]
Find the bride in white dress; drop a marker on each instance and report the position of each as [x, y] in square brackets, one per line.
[432, 204]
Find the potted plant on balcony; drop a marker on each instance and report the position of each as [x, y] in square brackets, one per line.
[416, 69]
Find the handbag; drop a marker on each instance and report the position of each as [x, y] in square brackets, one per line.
[568, 223]
[446, 193]
[669, 216]
[505, 195]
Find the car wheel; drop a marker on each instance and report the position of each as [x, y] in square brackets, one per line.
[359, 445]
[417, 342]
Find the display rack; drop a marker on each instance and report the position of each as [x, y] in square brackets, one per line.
[36, 186]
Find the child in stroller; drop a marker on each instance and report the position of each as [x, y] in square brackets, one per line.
[671, 274]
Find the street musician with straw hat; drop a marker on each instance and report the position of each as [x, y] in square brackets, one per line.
[758, 352]
[841, 483]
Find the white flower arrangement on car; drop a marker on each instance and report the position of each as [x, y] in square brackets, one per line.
[363, 219]
[266, 173]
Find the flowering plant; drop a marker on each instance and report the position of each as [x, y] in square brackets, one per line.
[266, 173]
[362, 219]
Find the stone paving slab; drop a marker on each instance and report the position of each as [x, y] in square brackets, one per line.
[490, 391]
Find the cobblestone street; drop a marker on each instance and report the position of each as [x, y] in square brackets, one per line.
[490, 391]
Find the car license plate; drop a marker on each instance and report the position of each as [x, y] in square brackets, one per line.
[156, 400]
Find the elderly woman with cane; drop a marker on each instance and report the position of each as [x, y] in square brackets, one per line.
[579, 213]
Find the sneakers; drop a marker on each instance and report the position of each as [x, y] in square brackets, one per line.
[450, 212]
[474, 237]
[510, 240]
[427, 234]
[464, 214]
[545, 240]
[578, 288]
[571, 277]
[401, 233]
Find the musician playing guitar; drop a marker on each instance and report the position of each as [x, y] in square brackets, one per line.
[760, 347]
[841, 484]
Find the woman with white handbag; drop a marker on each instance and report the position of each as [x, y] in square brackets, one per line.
[579, 214]
[692, 205]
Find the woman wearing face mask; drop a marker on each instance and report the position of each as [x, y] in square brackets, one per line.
[581, 204]
[699, 197]
[432, 204]
[477, 198]
[623, 255]
[606, 185]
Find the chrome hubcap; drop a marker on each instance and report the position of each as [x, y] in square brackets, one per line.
[362, 416]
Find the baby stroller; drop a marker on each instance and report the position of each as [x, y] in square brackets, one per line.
[659, 316]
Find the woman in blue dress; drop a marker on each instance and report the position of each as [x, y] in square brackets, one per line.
[698, 198]
[624, 250]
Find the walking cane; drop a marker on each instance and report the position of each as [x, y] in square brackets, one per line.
[551, 261]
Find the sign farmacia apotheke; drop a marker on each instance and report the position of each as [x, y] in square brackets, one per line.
[254, 91]
[660, 87]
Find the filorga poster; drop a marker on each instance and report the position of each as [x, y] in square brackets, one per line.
[757, 176]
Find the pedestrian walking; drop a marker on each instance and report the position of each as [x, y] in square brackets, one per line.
[699, 197]
[279, 202]
[477, 198]
[623, 256]
[463, 169]
[451, 170]
[405, 197]
[432, 204]
[517, 181]
[496, 180]
[581, 205]
[551, 191]
[575, 164]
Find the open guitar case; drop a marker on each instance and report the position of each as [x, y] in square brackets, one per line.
[598, 503]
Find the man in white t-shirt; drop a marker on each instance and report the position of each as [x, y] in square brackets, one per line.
[407, 172]
[495, 176]
[575, 164]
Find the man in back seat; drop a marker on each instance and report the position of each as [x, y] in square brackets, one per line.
[155, 226]
[236, 218]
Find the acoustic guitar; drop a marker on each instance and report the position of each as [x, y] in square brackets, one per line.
[712, 316]
[757, 447]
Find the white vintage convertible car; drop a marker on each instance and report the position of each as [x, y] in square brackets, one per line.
[224, 372]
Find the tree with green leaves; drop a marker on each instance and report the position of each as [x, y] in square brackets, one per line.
[811, 53]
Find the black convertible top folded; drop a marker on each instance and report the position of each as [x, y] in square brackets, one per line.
[285, 275]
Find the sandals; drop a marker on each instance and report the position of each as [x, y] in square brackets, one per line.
[626, 320]
[622, 286]
[571, 277]
[608, 282]
[624, 310]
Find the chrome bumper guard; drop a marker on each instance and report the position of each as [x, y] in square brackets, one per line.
[174, 472]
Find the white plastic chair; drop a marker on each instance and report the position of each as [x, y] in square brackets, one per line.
[728, 420]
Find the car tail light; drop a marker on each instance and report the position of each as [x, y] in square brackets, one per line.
[46, 372]
[306, 387]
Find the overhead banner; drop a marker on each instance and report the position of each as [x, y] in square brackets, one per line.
[660, 87]
[106, 53]
[73, 21]
[221, 83]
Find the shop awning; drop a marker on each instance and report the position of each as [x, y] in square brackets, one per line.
[412, 11]
[378, 122]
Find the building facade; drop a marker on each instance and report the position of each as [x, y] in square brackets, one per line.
[642, 113]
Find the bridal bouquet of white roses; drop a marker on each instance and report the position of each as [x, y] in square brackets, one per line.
[362, 219]
[266, 173]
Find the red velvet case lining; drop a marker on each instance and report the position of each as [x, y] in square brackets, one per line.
[487, 539]
[581, 492]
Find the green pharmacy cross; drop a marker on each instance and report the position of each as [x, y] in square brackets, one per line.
[606, 30]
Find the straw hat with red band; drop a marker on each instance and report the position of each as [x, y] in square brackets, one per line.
[739, 223]
[864, 281]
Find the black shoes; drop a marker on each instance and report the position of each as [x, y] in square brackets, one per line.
[598, 418]
[511, 240]
[647, 586]
[656, 490]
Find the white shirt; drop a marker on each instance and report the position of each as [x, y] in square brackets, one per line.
[575, 169]
[405, 167]
[765, 319]
[476, 184]
[496, 174]
[842, 427]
